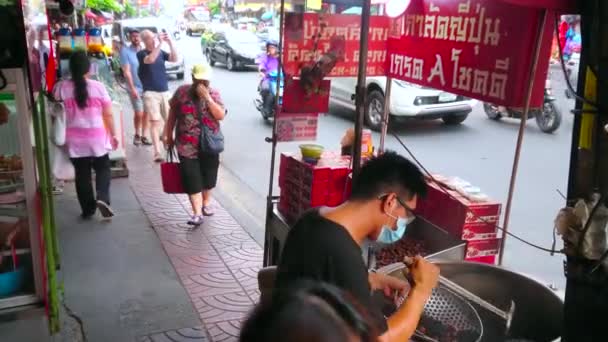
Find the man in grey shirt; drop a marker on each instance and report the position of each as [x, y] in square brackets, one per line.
[130, 66]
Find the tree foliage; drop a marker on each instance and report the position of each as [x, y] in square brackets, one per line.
[130, 11]
[106, 5]
[214, 7]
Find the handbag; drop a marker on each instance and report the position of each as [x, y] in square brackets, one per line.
[170, 174]
[57, 111]
[210, 141]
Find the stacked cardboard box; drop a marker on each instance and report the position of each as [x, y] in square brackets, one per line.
[474, 222]
[304, 186]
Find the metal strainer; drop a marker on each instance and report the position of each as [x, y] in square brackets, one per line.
[449, 310]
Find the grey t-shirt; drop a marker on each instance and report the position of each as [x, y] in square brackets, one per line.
[128, 56]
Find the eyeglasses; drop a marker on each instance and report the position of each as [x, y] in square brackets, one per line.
[409, 210]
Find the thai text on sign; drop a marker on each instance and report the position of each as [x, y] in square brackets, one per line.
[307, 36]
[476, 48]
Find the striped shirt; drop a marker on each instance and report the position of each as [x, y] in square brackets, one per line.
[86, 135]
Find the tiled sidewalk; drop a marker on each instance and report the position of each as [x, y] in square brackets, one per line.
[217, 262]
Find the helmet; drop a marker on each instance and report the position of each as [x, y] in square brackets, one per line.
[272, 42]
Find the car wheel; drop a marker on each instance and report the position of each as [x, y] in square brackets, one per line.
[189, 32]
[209, 58]
[454, 119]
[375, 110]
[230, 63]
[492, 111]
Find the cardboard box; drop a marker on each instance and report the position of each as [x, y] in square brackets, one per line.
[490, 259]
[482, 248]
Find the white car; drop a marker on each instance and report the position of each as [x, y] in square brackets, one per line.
[407, 101]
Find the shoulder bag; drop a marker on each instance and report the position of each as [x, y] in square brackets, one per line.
[210, 141]
[57, 111]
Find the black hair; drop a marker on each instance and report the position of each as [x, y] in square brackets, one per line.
[308, 312]
[388, 172]
[79, 66]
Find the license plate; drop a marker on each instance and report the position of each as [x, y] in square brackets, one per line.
[447, 97]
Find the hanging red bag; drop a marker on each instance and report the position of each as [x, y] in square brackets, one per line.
[171, 175]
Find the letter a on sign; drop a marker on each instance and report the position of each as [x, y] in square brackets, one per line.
[437, 71]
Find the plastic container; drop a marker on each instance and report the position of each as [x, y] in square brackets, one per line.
[367, 144]
[11, 282]
[80, 40]
[66, 42]
[95, 44]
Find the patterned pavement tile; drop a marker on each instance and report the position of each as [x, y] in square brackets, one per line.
[247, 277]
[216, 262]
[208, 262]
[224, 307]
[196, 334]
[210, 284]
[243, 258]
[254, 295]
[227, 331]
[236, 239]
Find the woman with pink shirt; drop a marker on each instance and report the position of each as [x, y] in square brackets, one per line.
[90, 135]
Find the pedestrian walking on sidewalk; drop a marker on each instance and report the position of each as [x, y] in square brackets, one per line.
[130, 67]
[153, 76]
[191, 107]
[90, 135]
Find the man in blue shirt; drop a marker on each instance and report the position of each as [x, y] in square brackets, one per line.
[130, 67]
[153, 76]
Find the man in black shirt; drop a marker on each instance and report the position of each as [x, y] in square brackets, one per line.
[325, 244]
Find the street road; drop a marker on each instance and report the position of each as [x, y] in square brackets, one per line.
[480, 151]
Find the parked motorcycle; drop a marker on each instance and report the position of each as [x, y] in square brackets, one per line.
[549, 118]
[273, 78]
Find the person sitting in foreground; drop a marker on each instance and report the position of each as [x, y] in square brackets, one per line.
[325, 244]
[309, 312]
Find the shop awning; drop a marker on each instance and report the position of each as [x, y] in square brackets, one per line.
[564, 6]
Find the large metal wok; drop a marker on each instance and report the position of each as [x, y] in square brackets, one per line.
[538, 315]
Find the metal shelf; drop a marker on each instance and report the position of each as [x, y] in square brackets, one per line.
[13, 210]
[18, 300]
[19, 251]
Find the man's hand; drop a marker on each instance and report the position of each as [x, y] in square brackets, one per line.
[134, 93]
[164, 37]
[424, 274]
[387, 284]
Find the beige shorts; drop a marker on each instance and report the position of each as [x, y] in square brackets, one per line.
[156, 105]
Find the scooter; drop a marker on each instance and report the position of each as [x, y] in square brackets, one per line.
[548, 119]
[273, 78]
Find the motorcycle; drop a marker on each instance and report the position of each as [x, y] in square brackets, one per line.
[273, 78]
[548, 119]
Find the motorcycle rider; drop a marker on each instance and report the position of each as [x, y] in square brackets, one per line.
[268, 63]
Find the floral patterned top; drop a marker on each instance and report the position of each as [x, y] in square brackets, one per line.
[188, 128]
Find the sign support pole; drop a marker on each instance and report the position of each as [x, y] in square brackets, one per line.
[273, 140]
[520, 136]
[386, 113]
[361, 92]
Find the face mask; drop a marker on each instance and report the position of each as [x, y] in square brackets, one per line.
[387, 235]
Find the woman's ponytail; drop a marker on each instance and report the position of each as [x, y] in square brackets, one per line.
[79, 67]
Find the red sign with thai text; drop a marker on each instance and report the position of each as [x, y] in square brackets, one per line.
[297, 127]
[476, 48]
[308, 36]
[298, 100]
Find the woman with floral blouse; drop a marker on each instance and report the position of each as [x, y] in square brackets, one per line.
[190, 107]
